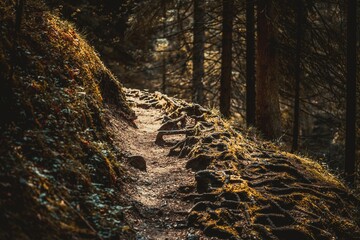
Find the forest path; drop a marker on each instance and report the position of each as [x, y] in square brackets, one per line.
[159, 211]
[244, 189]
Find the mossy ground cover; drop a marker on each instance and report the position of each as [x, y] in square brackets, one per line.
[60, 173]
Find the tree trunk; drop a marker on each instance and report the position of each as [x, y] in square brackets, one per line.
[7, 80]
[164, 67]
[250, 63]
[299, 34]
[267, 87]
[226, 58]
[19, 14]
[350, 140]
[198, 51]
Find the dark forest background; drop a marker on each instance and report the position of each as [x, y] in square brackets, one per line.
[278, 66]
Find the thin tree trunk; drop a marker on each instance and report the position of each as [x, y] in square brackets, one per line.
[19, 12]
[226, 58]
[198, 51]
[164, 67]
[299, 35]
[350, 140]
[250, 63]
[8, 81]
[164, 70]
[267, 86]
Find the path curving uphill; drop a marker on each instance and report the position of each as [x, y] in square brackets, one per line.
[238, 188]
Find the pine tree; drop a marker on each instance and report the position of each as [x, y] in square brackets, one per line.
[350, 141]
[226, 58]
[299, 35]
[267, 86]
[198, 51]
[250, 63]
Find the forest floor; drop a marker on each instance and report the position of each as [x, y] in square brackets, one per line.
[250, 191]
[155, 194]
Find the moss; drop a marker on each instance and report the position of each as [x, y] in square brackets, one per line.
[56, 157]
[270, 193]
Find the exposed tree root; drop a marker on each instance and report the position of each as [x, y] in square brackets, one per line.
[246, 191]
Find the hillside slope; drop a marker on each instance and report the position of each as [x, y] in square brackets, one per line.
[58, 168]
[76, 164]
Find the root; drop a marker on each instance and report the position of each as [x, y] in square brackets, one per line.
[173, 124]
[160, 140]
[244, 190]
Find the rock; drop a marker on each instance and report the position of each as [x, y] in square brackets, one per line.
[207, 139]
[191, 236]
[219, 232]
[203, 206]
[231, 196]
[137, 162]
[199, 162]
[208, 179]
[229, 204]
[193, 219]
[221, 147]
[140, 237]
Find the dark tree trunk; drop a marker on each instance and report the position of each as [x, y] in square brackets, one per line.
[7, 80]
[164, 67]
[226, 58]
[299, 35]
[250, 63]
[267, 86]
[198, 51]
[164, 70]
[350, 140]
[19, 14]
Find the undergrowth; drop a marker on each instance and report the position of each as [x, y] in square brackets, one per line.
[59, 172]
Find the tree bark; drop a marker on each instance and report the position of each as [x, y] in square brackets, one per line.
[250, 63]
[19, 14]
[299, 35]
[350, 139]
[164, 67]
[7, 80]
[267, 87]
[226, 57]
[198, 51]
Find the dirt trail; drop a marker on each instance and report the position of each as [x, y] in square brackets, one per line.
[159, 211]
[244, 189]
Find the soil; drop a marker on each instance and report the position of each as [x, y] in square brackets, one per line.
[158, 211]
[244, 190]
